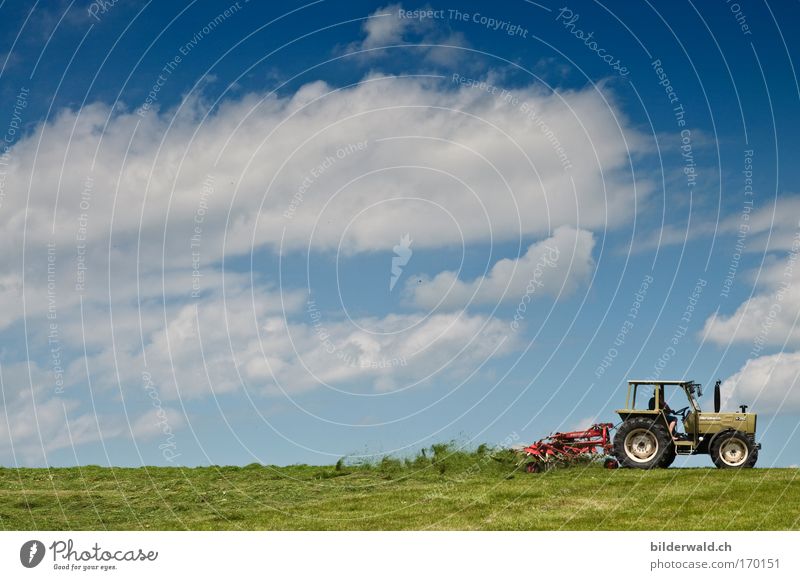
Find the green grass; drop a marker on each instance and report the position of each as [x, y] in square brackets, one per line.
[441, 489]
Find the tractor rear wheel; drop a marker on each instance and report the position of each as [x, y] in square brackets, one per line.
[733, 450]
[669, 457]
[643, 443]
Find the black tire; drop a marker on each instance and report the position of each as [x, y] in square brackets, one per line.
[643, 443]
[733, 450]
[534, 467]
[669, 457]
[610, 463]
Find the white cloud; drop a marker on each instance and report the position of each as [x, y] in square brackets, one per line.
[770, 317]
[384, 27]
[36, 421]
[762, 320]
[581, 424]
[426, 39]
[768, 384]
[268, 341]
[216, 345]
[447, 163]
[770, 227]
[10, 294]
[554, 266]
[159, 422]
[504, 183]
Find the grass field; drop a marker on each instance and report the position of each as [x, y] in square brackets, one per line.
[438, 490]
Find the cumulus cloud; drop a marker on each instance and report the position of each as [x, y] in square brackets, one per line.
[10, 293]
[221, 345]
[768, 384]
[768, 319]
[260, 337]
[489, 164]
[384, 27]
[445, 162]
[36, 420]
[160, 422]
[554, 266]
[772, 227]
[422, 36]
[39, 417]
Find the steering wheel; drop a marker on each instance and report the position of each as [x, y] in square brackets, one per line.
[682, 412]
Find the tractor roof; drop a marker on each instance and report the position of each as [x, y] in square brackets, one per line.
[658, 382]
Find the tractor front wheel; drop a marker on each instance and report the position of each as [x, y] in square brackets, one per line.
[733, 450]
[643, 443]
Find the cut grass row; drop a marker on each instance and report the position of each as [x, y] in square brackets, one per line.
[442, 489]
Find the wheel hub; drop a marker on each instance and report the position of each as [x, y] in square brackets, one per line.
[641, 445]
[733, 452]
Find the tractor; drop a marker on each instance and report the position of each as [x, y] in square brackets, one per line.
[649, 437]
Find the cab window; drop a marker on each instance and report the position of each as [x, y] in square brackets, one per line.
[643, 397]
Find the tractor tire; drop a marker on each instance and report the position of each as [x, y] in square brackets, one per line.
[534, 467]
[610, 463]
[669, 457]
[733, 450]
[643, 443]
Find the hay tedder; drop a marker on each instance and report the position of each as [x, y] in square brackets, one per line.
[564, 449]
[649, 435]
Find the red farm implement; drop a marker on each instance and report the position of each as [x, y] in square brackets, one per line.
[570, 448]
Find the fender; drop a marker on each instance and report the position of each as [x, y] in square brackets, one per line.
[714, 438]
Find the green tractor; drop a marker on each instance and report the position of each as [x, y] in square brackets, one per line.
[649, 435]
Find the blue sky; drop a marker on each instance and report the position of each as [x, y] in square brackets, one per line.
[203, 207]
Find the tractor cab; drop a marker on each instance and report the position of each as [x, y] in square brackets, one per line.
[650, 397]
